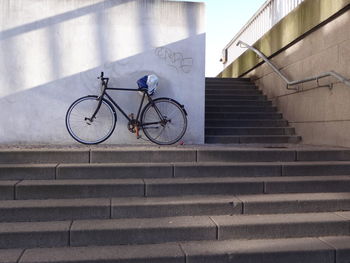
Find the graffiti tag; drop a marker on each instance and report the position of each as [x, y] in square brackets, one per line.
[175, 59]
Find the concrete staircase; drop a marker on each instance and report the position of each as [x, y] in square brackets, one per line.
[175, 204]
[237, 112]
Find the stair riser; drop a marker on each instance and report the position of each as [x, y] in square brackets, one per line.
[233, 92]
[230, 87]
[148, 209]
[249, 131]
[237, 103]
[301, 250]
[54, 213]
[28, 172]
[48, 171]
[54, 234]
[115, 172]
[238, 123]
[33, 240]
[273, 167]
[141, 235]
[243, 116]
[144, 236]
[237, 187]
[289, 230]
[268, 251]
[237, 109]
[117, 232]
[155, 156]
[68, 191]
[236, 97]
[296, 206]
[247, 140]
[59, 191]
[307, 187]
[44, 156]
[227, 80]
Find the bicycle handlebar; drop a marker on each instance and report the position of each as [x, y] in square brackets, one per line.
[103, 79]
[101, 76]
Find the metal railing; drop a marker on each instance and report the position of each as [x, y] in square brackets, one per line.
[296, 82]
[270, 13]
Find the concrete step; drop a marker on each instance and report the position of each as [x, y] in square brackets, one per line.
[10, 156]
[227, 80]
[294, 203]
[27, 171]
[104, 208]
[242, 85]
[115, 170]
[285, 153]
[306, 250]
[208, 168]
[159, 253]
[141, 231]
[239, 109]
[243, 115]
[245, 123]
[271, 139]
[239, 92]
[54, 156]
[7, 190]
[155, 207]
[156, 155]
[34, 234]
[245, 186]
[217, 154]
[104, 232]
[302, 250]
[107, 188]
[282, 225]
[57, 189]
[272, 162]
[235, 97]
[237, 169]
[249, 131]
[227, 102]
[54, 209]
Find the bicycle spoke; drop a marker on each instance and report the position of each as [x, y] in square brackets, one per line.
[174, 126]
[90, 132]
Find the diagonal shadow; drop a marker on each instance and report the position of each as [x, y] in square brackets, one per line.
[50, 21]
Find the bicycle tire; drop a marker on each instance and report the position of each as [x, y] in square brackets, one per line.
[87, 132]
[171, 131]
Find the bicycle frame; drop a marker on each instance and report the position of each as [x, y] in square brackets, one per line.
[104, 93]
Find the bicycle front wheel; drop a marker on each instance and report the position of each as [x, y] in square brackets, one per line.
[85, 131]
[164, 121]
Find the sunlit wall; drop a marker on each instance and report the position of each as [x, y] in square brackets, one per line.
[52, 51]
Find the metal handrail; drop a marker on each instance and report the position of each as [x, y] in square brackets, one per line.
[295, 82]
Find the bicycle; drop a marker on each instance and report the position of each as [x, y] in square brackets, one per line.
[92, 119]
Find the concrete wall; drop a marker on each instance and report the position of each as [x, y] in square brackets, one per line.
[52, 51]
[320, 115]
[303, 19]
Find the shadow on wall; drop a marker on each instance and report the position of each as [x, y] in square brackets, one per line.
[129, 40]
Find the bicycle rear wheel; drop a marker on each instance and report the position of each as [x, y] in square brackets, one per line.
[167, 131]
[86, 131]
